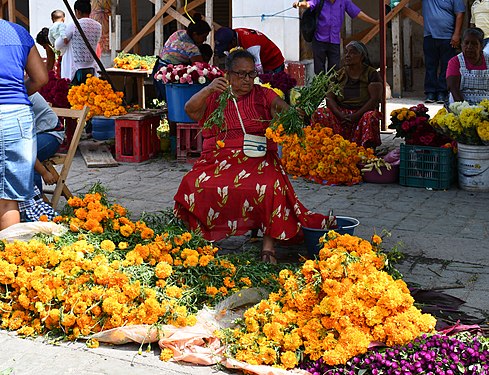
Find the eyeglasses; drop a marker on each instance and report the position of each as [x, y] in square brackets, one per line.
[253, 74]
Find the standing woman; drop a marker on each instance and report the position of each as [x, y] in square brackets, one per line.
[17, 134]
[78, 61]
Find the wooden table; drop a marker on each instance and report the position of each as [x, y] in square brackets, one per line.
[139, 75]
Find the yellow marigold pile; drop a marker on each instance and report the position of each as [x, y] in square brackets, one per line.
[99, 96]
[332, 308]
[319, 155]
[132, 61]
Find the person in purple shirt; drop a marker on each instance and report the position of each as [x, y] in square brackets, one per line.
[326, 42]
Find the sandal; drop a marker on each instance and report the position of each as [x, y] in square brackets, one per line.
[268, 256]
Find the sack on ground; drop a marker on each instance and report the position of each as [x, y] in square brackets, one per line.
[308, 24]
[254, 146]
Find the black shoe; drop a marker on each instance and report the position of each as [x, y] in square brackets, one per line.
[430, 98]
[442, 98]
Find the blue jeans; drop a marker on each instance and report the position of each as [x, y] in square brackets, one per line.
[437, 52]
[323, 51]
[17, 152]
[47, 145]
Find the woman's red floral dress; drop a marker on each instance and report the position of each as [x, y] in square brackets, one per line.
[227, 193]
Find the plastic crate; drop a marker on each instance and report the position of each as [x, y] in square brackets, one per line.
[428, 167]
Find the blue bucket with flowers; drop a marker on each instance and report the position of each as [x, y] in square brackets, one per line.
[181, 83]
[346, 225]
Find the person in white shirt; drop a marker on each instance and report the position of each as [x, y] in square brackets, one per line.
[480, 18]
[77, 62]
[58, 28]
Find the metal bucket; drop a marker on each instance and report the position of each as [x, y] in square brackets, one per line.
[473, 167]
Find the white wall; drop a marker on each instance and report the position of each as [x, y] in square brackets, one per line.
[282, 29]
[40, 15]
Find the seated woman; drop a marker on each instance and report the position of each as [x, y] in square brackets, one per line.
[228, 193]
[50, 135]
[354, 113]
[468, 72]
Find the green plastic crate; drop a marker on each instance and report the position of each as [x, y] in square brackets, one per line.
[428, 167]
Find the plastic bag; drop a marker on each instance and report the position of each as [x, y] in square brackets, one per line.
[25, 231]
[393, 157]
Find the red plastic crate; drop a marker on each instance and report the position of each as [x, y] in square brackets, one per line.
[136, 139]
[189, 141]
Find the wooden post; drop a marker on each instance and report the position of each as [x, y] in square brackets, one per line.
[407, 50]
[382, 20]
[396, 57]
[134, 22]
[114, 31]
[11, 11]
[159, 37]
[178, 5]
[209, 6]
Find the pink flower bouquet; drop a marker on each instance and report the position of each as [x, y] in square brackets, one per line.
[198, 73]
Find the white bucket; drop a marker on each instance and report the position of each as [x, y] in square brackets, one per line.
[473, 167]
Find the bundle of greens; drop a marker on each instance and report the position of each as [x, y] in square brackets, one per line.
[308, 99]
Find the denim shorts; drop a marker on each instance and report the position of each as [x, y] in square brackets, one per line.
[17, 152]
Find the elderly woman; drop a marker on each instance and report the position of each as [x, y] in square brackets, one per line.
[468, 72]
[228, 193]
[354, 113]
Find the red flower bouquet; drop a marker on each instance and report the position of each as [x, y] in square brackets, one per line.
[56, 91]
[413, 125]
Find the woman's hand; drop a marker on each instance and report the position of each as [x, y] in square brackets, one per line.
[218, 85]
[48, 178]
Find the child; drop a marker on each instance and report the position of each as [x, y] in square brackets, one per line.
[206, 52]
[58, 28]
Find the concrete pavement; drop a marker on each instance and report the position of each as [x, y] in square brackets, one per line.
[444, 235]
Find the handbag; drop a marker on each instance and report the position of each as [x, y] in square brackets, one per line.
[308, 22]
[254, 146]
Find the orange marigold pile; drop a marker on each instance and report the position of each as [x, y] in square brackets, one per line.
[99, 96]
[332, 308]
[320, 156]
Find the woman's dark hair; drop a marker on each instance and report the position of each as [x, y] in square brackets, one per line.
[84, 6]
[474, 31]
[238, 54]
[42, 37]
[199, 26]
[206, 51]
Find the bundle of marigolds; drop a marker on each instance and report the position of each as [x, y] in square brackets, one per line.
[108, 271]
[99, 96]
[332, 308]
[465, 123]
[319, 155]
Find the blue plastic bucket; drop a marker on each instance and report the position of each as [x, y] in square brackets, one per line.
[177, 94]
[103, 128]
[346, 225]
